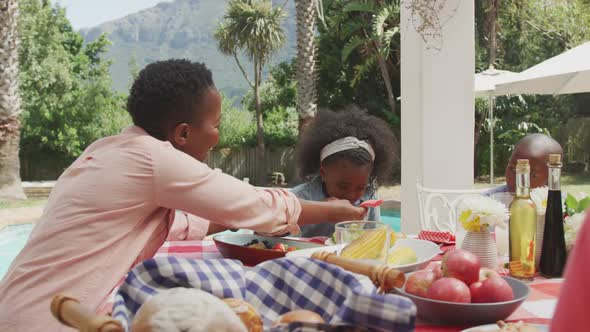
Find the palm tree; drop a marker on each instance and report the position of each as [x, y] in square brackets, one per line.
[253, 28]
[306, 61]
[373, 38]
[10, 183]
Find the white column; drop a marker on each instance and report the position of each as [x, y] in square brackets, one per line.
[437, 114]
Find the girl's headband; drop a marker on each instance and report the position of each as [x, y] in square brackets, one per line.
[346, 143]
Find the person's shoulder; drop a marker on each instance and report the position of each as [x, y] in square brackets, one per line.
[132, 138]
[310, 190]
[370, 193]
[496, 190]
[138, 136]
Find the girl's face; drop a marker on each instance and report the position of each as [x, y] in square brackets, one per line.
[345, 180]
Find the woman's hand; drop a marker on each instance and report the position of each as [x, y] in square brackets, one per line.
[332, 210]
[349, 211]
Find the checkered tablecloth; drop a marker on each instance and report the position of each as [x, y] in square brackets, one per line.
[273, 288]
[538, 308]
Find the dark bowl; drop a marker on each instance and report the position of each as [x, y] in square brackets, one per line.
[232, 246]
[451, 313]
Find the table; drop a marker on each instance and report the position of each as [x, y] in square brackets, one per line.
[538, 308]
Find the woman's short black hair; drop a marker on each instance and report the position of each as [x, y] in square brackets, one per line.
[166, 93]
[329, 126]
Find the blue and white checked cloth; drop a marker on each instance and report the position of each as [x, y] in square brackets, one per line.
[273, 288]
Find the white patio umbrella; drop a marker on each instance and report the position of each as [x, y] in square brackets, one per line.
[566, 73]
[486, 81]
[485, 86]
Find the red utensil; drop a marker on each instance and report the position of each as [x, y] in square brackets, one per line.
[372, 203]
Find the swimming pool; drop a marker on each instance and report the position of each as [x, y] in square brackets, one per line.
[12, 241]
[392, 218]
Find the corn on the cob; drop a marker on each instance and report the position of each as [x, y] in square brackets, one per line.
[392, 238]
[402, 256]
[370, 245]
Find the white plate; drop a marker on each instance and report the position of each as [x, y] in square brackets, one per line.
[494, 327]
[425, 252]
[309, 251]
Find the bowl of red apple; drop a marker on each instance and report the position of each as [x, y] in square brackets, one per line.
[458, 291]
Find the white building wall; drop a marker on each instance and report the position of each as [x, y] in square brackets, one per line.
[437, 118]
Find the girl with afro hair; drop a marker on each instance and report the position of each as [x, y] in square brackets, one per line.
[344, 155]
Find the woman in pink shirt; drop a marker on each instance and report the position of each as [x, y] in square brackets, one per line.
[572, 311]
[114, 206]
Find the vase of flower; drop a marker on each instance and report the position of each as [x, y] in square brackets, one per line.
[478, 215]
[482, 245]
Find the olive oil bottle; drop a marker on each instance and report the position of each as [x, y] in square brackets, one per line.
[523, 225]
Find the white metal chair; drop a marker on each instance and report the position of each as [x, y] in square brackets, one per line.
[438, 207]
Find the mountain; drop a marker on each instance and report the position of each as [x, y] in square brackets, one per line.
[180, 29]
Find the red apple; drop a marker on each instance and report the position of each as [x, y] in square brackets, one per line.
[493, 289]
[450, 290]
[436, 268]
[475, 291]
[462, 265]
[486, 272]
[419, 282]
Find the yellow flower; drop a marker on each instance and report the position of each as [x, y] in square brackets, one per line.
[473, 225]
[479, 212]
[470, 222]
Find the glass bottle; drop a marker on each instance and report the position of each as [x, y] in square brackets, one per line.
[523, 225]
[553, 253]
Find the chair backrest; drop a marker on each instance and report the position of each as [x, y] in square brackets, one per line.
[438, 207]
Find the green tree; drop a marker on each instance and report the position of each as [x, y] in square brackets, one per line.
[237, 126]
[10, 183]
[527, 32]
[336, 73]
[279, 89]
[133, 69]
[371, 33]
[65, 85]
[254, 28]
[282, 122]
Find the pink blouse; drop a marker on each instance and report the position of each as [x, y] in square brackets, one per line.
[113, 208]
[571, 313]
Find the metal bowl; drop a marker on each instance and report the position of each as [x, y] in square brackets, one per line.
[468, 314]
[232, 246]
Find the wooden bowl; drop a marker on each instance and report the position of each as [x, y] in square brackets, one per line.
[232, 246]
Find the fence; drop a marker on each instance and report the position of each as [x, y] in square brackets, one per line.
[243, 163]
[238, 162]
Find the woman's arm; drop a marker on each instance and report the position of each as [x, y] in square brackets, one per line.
[183, 183]
[335, 210]
[216, 228]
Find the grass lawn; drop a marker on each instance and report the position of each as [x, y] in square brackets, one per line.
[574, 184]
[570, 183]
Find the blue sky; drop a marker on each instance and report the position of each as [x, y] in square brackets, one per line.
[89, 13]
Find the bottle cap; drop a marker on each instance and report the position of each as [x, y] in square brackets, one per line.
[555, 159]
